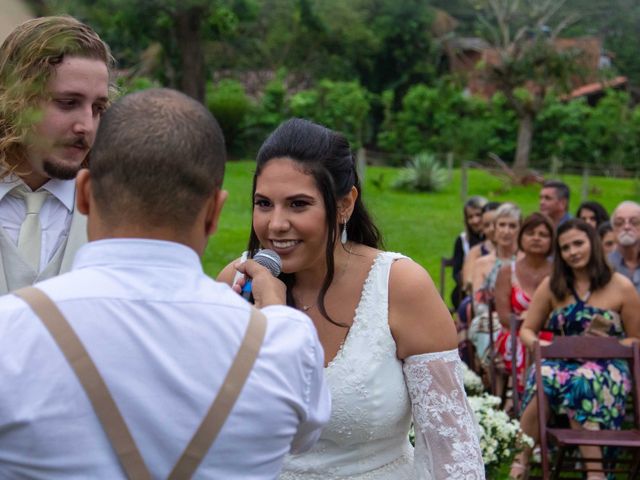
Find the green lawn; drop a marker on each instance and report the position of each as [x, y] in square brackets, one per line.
[420, 225]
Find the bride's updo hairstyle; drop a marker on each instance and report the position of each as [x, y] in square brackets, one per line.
[327, 157]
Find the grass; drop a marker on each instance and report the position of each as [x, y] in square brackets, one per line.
[421, 225]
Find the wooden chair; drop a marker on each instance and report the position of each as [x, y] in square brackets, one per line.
[493, 371]
[445, 263]
[583, 347]
[515, 323]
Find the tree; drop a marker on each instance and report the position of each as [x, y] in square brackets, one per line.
[528, 65]
[180, 27]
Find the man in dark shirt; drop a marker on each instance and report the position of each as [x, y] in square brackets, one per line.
[554, 201]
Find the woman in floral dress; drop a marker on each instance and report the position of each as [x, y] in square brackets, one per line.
[581, 297]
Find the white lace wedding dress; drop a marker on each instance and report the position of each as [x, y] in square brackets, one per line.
[373, 397]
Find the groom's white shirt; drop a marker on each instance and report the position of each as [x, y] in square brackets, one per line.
[163, 336]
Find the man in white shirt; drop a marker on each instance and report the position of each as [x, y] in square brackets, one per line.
[161, 333]
[54, 86]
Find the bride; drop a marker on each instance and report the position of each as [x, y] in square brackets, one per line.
[389, 341]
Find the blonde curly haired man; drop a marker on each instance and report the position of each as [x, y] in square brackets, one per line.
[55, 77]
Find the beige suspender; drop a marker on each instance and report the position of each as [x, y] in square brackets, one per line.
[106, 408]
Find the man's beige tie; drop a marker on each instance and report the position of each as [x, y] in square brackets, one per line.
[30, 237]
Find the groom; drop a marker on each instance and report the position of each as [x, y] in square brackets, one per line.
[162, 335]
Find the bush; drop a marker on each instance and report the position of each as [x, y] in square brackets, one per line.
[443, 119]
[229, 103]
[341, 106]
[262, 120]
[423, 174]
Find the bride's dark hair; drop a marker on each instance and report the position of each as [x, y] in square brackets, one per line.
[327, 157]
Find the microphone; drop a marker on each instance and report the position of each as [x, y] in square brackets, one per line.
[268, 259]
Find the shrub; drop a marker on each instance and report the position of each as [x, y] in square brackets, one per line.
[229, 103]
[423, 173]
[341, 106]
[268, 114]
[442, 119]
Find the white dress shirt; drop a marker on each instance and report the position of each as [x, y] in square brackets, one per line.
[163, 336]
[55, 215]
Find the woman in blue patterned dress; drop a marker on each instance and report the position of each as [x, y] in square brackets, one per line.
[581, 297]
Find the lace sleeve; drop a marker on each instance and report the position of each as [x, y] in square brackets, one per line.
[446, 433]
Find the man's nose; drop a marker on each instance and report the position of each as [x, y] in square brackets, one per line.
[85, 122]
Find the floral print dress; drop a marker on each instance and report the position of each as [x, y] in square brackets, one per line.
[594, 392]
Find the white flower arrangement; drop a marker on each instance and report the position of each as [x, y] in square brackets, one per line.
[472, 381]
[500, 436]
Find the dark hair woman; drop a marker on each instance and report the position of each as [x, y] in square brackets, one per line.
[471, 236]
[374, 312]
[516, 284]
[593, 213]
[607, 237]
[581, 295]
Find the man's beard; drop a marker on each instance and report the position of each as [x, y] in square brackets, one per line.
[60, 171]
[627, 239]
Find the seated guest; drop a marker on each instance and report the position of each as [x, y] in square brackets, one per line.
[554, 201]
[625, 259]
[607, 238]
[593, 213]
[516, 284]
[506, 225]
[581, 297]
[158, 334]
[483, 248]
[471, 236]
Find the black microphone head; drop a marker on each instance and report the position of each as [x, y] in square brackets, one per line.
[269, 259]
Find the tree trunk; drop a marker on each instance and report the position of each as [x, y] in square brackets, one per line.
[192, 79]
[525, 134]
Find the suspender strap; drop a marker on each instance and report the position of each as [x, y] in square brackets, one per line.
[226, 398]
[106, 409]
[95, 388]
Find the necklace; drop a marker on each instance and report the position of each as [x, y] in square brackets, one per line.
[306, 308]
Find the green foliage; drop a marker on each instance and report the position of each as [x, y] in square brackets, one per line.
[560, 130]
[443, 119]
[229, 103]
[423, 174]
[609, 131]
[425, 112]
[342, 106]
[605, 136]
[264, 117]
[135, 84]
